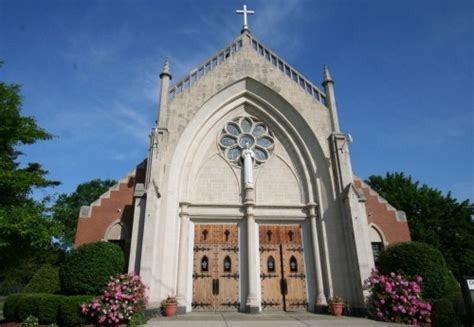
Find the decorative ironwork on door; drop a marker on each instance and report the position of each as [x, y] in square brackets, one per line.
[282, 268]
[216, 268]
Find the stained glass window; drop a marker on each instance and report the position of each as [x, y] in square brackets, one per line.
[243, 132]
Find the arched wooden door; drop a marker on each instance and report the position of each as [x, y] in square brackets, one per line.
[282, 273]
[216, 268]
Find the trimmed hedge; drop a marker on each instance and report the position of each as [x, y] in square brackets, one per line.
[27, 305]
[414, 258]
[49, 308]
[10, 305]
[70, 309]
[88, 269]
[45, 280]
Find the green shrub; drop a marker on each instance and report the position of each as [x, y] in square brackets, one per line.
[70, 310]
[454, 294]
[413, 259]
[27, 306]
[137, 319]
[45, 280]
[48, 308]
[444, 314]
[88, 269]
[10, 305]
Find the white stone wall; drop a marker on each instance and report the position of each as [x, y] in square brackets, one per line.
[277, 183]
[216, 183]
[187, 168]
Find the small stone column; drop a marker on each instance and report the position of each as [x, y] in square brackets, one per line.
[321, 297]
[251, 303]
[183, 257]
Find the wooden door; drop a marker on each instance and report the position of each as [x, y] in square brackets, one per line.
[216, 268]
[282, 268]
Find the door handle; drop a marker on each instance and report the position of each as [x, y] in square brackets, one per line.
[213, 287]
[283, 286]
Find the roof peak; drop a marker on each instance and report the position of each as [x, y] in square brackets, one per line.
[246, 40]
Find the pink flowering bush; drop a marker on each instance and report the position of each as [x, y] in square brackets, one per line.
[396, 299]
[124, 296]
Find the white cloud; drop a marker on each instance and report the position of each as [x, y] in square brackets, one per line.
[272, 16]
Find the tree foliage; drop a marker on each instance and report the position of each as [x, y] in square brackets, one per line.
[24, 228]
[434, 218]
[45, 280]
[67, 206]
[17, 183]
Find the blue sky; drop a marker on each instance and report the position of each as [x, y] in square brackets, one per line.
[403, 71]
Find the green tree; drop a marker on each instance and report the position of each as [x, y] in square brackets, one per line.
[434, 218]
[67, 206]
[24, 228]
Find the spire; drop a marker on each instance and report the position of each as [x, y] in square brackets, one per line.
[330, 99]
[166, 69]
[327, 76]
[165, 76]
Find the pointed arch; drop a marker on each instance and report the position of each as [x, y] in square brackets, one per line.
[377, 241]
[227, 264]
[271, 264]
[255, 98]
[117, 231]
[204, 263]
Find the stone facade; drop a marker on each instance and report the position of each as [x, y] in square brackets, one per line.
[305, 178]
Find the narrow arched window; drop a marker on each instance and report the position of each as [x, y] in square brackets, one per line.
[204, 264]
[204, 234]
[269, 235]
[227, 264]
[270, 264]
[293, 264]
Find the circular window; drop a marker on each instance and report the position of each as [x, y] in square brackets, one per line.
[246, 132]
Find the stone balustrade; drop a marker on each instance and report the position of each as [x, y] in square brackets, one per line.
[243, 41]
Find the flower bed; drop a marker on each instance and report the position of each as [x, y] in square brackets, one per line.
[123, 297]
[396, 299]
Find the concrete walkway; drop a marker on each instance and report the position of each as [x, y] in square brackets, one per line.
[277, 319]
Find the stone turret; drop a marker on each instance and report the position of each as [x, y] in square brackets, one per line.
[165, 76]
[328, 85]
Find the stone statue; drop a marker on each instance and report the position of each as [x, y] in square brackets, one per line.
[248, 156]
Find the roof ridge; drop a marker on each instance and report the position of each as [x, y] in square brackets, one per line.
[206, 66]
[246, 40]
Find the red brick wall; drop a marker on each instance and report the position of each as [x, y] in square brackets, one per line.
[379, 214]
[119, 206]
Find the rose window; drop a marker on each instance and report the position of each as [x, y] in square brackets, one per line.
[245, 132]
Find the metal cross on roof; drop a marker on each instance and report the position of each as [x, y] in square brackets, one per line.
[245, 12]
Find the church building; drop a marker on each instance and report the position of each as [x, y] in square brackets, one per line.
[247, 200]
